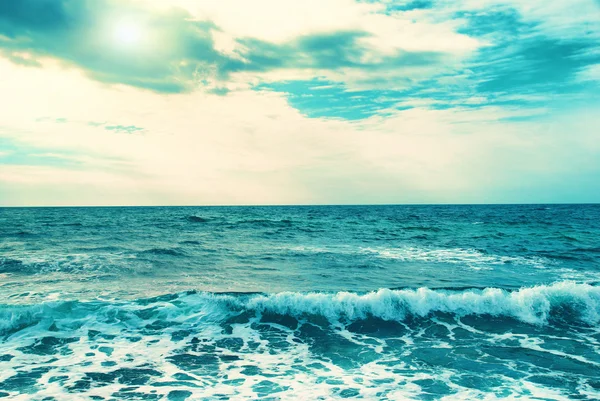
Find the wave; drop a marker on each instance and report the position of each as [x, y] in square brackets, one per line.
[472, 258]
[264, 222]
[191, 242]
[562, 302]
[422, 228]
[592, 249]
[21, 233]
[252, 222]
[197, 219]
[74, 263]
[164, 252]
[8, 265]
[536, 305]
[469, 257]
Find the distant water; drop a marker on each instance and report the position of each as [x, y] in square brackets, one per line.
[311, 303]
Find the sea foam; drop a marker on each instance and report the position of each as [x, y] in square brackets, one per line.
[530, 305]
[567, 301]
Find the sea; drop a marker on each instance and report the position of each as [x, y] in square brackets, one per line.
[446, 302]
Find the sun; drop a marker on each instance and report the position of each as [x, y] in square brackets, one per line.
[128, 33]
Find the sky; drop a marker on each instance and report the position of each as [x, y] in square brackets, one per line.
[209, 102]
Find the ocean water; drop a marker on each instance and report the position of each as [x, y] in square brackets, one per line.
[310, 303]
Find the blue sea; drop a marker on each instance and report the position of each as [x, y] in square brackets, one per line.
[300, 303]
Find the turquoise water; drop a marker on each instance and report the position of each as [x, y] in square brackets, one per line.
[314, 303]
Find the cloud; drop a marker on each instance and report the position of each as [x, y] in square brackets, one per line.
[363, 45]
[175, 51]
[536, 65]
[82, 33]
[187, 102]
[128, 129]
[525, 60]
[589, 74]
[253, 147]
[525, 54]
[316, 99]
[557, 19]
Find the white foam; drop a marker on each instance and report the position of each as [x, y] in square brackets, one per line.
[393, 375]
[471, 258]
[531, 305]
[467, 257]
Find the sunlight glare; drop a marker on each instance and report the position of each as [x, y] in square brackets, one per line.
[128, 33]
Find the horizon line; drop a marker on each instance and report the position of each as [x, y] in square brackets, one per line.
[305, 205]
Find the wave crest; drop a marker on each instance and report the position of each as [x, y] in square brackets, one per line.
[531, 305]
[566, 302]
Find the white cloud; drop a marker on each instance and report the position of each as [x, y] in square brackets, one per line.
[277, 22]
[252, 147]
[387, 35]
[589, 74]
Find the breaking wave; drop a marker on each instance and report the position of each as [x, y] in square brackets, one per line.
[563, 301]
